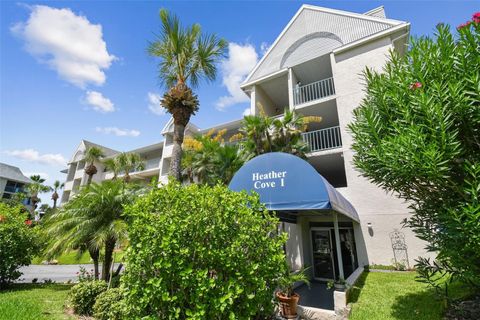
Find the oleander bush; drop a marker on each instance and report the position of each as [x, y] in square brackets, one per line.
[417, 133]
[82, 296]
[110, 305]
[18, 242]
[201, 252]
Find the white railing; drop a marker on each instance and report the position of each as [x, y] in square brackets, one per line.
[313, 91]
[152, 164]
[323, 139]
[149, 164]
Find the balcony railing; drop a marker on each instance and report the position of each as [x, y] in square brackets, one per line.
[323, 139]
[149, 164]
[313, 91]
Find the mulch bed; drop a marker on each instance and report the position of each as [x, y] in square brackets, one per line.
[464, 310]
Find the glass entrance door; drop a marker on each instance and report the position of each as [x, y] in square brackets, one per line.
[323, 267]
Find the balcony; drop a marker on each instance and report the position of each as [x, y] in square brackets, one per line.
[313, 91]
[323, 139]
[152, 164]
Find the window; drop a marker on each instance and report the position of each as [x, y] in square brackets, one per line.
[13, 187]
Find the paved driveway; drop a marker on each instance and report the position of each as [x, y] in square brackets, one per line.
[57, 273]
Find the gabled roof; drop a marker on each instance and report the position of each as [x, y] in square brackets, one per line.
[168, 128]
[84, 145]
[377, 12]
[12, 173]
[315, 31]
[107, 151]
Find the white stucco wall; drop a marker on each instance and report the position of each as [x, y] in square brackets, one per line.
[3, 183]
[384, 211]
[294, 245]
[262, 98]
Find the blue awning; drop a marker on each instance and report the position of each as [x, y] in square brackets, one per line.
[288, 183]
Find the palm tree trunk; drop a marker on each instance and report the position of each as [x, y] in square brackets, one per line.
[33, 201]
[175, 165]
[107, 262]
[95, 255]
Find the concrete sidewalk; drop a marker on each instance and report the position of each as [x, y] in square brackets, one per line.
[57, 273]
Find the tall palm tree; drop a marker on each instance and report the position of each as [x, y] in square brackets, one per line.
[186, 57]
[129, 162]
[34, 189]
[93, 154]
[56, 186]
[93, 219]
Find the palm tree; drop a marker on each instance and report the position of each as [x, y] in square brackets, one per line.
[210, 160]
[93, 154]
[129, 162]
[229, 162]
[113, 165]
[264, 134]
[186, 57]
[56, 186]
[287, 132]
[93, 219]
[34, 189]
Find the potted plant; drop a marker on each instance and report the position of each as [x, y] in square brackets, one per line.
[339, 284]
[287, 298]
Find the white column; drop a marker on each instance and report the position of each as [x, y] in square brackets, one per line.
[337, 243]
[253, 101]
[291, 86]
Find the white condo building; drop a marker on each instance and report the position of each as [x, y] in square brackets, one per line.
[315, 67]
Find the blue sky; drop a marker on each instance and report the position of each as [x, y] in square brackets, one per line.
[47, 105]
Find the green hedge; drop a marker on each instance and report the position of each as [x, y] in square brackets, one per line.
[82, 296]
[200, 252]
[110, 305]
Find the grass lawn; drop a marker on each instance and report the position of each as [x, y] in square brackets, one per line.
[34, 302]
[396, 295]
[71, 258]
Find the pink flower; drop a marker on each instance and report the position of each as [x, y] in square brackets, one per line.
[476, 17]
[463, 25]
[415, 85]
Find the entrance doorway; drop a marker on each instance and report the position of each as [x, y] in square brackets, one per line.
[322, 254]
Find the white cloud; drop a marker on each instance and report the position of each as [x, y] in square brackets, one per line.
[246, 112]
[241, 60]
[68, 43]
[264, 46]
[118, 132]
[34, 156]
[154, 104]
[99, 102]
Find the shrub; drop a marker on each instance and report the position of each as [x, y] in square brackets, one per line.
[417, 133]
[110, 305]
[82, 296]
[83, 275]
[200, 252]
[18, 242]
